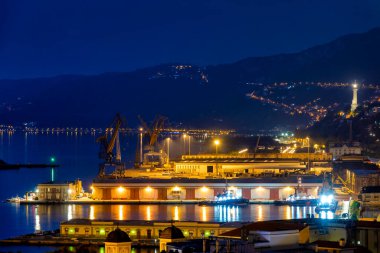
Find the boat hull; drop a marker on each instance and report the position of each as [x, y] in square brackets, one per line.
[300, 202]
[233, 202]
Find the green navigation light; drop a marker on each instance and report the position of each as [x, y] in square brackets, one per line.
[52, 159]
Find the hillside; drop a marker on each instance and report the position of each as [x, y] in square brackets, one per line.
[213, 96]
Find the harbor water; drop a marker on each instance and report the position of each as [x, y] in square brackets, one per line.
[77, 156]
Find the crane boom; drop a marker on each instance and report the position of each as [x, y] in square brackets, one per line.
[107, 149]
[115, 134]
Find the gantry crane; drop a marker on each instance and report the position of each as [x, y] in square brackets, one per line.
[345, 188]
[151, 133]
[107, 146]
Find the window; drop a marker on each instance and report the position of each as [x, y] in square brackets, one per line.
[210, 169]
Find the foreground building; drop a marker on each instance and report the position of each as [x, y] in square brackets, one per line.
[304, 235]
[142, 230]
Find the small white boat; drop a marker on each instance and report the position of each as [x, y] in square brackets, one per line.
[16, 199]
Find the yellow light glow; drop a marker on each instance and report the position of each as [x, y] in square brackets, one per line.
[259, 188]
[288, 213]
[184, 136]
[148, 213]
[120, 189]
[204, 213]
[92, 213]
[260, 213]
[243, 151]
[121, 212]
[288, 188]
[176, 213]
[176, 188]
[204, 189]
[148, 189]
[217, 142]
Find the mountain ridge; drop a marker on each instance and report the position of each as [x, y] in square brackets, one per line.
[213, 96]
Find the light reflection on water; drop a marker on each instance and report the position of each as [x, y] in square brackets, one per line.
[44, 217]
[24, 219]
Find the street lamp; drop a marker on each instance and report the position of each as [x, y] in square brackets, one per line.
[141, 145]
[52, 161]
[308, 153]
[168, 151]
[189, 144]
[216, 142]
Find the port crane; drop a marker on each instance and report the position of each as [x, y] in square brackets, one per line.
[110, 157]
[151, 133]
[345, 188]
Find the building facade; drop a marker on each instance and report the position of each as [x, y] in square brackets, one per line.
[56, 192]
[358, 178]
[255, 188]
[140, 230]
[341, 149]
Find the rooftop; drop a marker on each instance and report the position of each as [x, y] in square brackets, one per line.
[288, 179]
[118, 236]
[149, 223]
[365, 172]
[270, 226]
[171, 232]
[371, 189]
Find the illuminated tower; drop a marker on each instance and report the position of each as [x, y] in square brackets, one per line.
[354, 103]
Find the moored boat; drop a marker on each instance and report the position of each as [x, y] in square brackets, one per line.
[228, 197]
[299, 198]
[16, 199]
[326, 201]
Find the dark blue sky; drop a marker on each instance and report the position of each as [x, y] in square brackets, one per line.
[51, 37]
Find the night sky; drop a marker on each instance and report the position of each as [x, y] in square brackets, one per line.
[48, 37]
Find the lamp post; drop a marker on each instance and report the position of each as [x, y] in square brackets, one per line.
[52, 161]
[168, 149]
[308, 153]
[189, 144]
[141, 145]
[216, 142]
